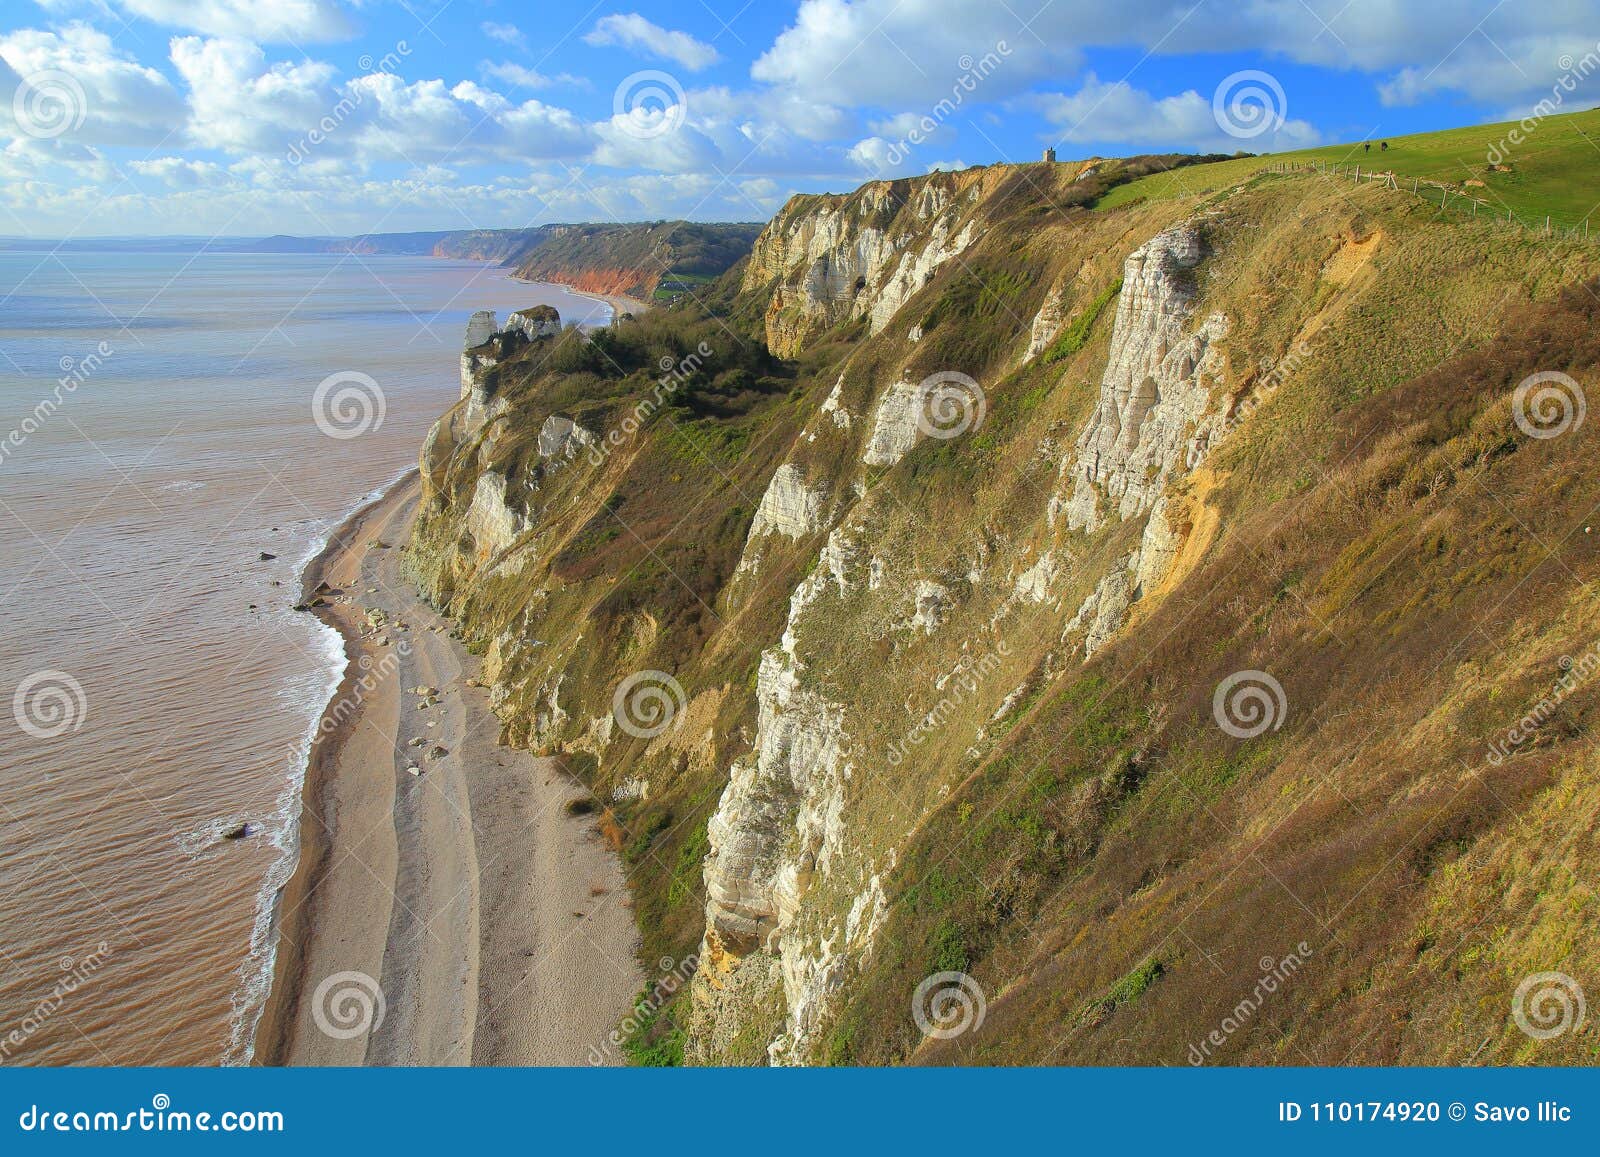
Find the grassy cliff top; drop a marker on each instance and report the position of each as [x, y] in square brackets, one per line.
[1545, 169]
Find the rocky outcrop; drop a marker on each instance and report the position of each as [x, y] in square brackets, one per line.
[481, 326]
[1155, 416]
[539, 321]
[895, 425]
[824, 259]
[491, 521]
[789, 506]
[1155, 421]
[561, 437]
[1047, 323]
[778, 831]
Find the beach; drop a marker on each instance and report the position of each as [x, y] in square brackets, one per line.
[459, 915]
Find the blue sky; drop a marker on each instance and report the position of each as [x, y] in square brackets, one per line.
[245, 117]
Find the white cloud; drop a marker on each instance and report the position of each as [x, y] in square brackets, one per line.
[1515, 70]
[180, 173]
[262, 197]
[105, 96]
[634, 32]
[429, 122]
[1118, 113]
[520, 76]
[240, 103]
[880, 158]
[505, 34]
[264, 20]
[886, 52]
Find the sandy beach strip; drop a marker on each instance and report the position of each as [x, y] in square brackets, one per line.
[620, 303]
[441, 876]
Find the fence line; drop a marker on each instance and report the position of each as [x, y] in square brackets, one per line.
[1424, 189]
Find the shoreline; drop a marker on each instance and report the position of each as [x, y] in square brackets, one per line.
[619, 303]
[440, 869]
[312, 847]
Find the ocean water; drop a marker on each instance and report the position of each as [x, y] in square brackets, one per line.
[163, 422]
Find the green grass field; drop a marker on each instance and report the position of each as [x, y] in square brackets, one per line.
[1555, 170]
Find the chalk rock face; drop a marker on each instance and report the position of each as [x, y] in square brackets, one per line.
[894, 427]
[1155, 422]
[1104, 611]
[916, 268]
[933, 601]
[1152, 420]
[561, 437]
[1047, 324]
[1033, 584]
[779, 832]
[480, 328]
[540, 321]
[491, 522]
[790, 507]
[475, 387]
[861, 255]
[1158, 547]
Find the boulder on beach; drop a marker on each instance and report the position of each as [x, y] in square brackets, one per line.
[265, 557]
[239, 831]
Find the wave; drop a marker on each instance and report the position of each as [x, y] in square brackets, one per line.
[256, 971]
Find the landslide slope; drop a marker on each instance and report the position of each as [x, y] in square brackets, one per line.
[998, 591]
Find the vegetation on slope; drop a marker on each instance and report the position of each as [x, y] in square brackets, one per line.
[1082, 839]
[663, 259]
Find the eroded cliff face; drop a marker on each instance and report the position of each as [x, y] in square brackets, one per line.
[891, 622]
[826, 258]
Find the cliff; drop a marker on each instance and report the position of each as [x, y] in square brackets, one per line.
[663, 259]
[1015, 604]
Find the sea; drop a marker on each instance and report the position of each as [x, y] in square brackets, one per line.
[178, 435]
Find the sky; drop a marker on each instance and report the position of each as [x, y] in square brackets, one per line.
[335, 117]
